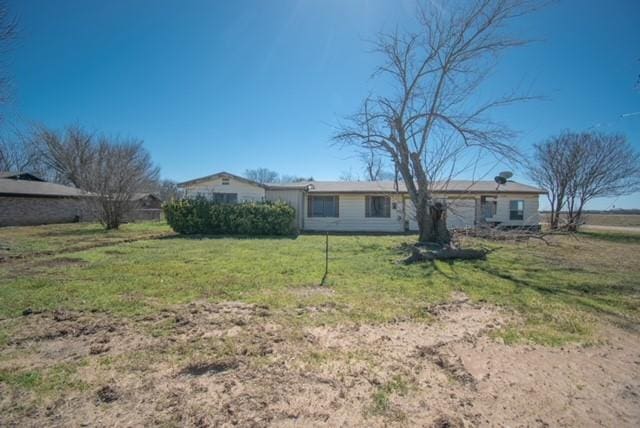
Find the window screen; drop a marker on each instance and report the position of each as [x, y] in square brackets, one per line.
[323, 206]
[225, 198]
[516, 210]
[377, 206]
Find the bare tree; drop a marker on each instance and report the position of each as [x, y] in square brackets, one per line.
[166, 190]
[605, 165]
[552, 170]
[262, 175]
[19, 152]
[375, 166]
[286, 178]
[111, 169]
[430, 120]
[349, 175]
[574, 168]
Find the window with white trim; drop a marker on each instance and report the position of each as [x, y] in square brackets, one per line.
[377, 206]
[323, 206]
[224, 198]
[516, 210]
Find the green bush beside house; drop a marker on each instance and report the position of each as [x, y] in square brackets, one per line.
[203, 217]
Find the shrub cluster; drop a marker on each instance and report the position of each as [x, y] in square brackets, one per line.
[201, 216]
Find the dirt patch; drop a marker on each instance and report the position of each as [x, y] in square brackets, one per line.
[29, 267]
[206, 364]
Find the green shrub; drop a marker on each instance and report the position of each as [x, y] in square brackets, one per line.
[201, 216]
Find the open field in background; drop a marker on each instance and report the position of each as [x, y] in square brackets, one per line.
[618, 220]
[140, 326]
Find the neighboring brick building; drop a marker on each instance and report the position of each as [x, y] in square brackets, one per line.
[28, 200]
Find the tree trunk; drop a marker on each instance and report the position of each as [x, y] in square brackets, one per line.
[432, 224]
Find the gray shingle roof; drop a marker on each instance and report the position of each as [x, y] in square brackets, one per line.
[37, 188]
[454, 186]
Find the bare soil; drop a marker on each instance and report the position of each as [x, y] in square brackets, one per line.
[229, 364]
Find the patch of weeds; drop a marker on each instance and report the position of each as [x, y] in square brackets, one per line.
[164, 328]
[382, 405]
[509, 335]
[316, 358]
[23, 380]
[51, 381]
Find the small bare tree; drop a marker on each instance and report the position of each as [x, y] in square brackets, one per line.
[428, 119]
[605, 166]
[262, 175]
[166, 190]
[552, 171]
[574, 168]
[374, 167]
[111, 169]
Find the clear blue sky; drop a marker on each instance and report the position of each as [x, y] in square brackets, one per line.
[230, 85]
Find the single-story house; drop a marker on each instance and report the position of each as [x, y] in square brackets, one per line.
[376, 206]
[26, 199]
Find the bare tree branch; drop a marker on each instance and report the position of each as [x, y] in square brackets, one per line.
[427, 123]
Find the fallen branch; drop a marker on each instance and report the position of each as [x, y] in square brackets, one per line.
[445, 253]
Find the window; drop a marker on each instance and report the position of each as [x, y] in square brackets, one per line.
[516, 210]
[489, 206]
[377, 206]
[323, 206]
[224, 198]
[225, 181]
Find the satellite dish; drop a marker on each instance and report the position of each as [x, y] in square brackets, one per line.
[506, 174]
[500, 180]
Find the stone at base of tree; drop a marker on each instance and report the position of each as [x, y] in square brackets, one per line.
[419, 254]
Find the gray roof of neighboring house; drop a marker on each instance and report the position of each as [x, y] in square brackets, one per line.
[138, 196]
[10, 186]
[454, 186]
[17, 175]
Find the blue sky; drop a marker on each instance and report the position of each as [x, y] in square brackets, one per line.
[230, 85]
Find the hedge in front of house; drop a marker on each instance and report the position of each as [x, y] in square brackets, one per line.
[203, 217]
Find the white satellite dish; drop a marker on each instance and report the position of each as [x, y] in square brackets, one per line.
[506, 174]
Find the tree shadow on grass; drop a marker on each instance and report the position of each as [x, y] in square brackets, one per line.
[592, 297]
[240, 237]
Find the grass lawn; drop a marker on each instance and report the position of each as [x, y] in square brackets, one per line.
[560, 290]
[132, 323]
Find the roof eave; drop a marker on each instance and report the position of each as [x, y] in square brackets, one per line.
[219, 174]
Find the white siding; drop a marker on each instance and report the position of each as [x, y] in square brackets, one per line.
[531, 215]
[293, 197]
[461, 213]
[352, 217]
[246, 191]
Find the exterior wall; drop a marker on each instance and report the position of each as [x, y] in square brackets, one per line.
[466, 212]
[531, 216]
[294, 197]
[461, 212]
[25, 211]
[247, 192]
[352, 217]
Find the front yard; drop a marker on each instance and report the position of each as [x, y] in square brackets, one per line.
[141, 326]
